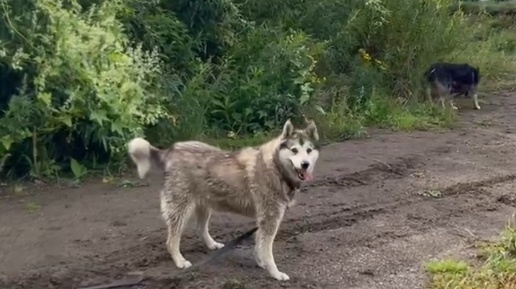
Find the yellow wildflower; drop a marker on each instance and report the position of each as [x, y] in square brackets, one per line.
[367, 58]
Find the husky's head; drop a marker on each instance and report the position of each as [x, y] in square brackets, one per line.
[298, 151]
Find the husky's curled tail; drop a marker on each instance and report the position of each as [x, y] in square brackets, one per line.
[144, 155]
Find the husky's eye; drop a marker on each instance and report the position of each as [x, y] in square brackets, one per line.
[308, 150]
[294, 150]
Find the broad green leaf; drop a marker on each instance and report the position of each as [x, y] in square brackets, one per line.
[98, 116]
[304, 98]
[67, 120]
[78, 170]
[6, 141]
[46, 98]
[320, 109]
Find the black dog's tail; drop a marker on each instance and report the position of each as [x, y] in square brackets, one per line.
[429, 74]
[429, 77]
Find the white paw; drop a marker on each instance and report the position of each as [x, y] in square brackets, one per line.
[215, 245]
[455, 108]
[280, 276]
[477, 107]
[183, 264]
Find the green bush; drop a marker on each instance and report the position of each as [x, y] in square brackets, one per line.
[83, 90]
[84, 77]
[264, 82]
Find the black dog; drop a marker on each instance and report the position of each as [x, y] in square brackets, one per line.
[450, 80]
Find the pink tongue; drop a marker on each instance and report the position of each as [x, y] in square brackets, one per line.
[308, 176]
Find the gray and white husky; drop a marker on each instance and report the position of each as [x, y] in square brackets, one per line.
[259, 182]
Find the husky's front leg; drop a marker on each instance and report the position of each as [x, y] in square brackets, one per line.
[268, 224]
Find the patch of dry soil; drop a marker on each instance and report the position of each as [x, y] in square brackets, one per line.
[369, 220]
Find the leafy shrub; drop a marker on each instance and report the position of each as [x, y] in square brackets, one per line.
[86, 88]
[264, 82]
[86, 76]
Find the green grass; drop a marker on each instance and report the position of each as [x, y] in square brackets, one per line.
[236, 142]
[489, 7]
[496, 271]
[339, 123]
[447, 266]
[32, 207]
[400, 116]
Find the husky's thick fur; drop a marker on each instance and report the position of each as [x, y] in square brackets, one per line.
[258, 182]
[450, 80]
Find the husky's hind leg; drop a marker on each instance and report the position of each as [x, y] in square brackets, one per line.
[176, 214]
[203, 218]
[268, 227]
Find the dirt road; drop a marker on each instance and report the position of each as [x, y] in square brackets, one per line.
[378, 210]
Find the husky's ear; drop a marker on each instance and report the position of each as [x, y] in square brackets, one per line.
[288, 129]
[311, 130]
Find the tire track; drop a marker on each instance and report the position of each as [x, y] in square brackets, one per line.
[375, 173]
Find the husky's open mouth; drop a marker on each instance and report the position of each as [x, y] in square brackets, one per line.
[304, 175]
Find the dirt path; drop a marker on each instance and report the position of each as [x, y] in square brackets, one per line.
[365, 221]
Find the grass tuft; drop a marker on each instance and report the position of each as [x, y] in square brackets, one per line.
[497, 271]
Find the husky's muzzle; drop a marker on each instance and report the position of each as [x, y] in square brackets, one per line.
[303, 173]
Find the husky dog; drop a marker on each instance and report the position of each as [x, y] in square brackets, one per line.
[259, 182]
[450, 80]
